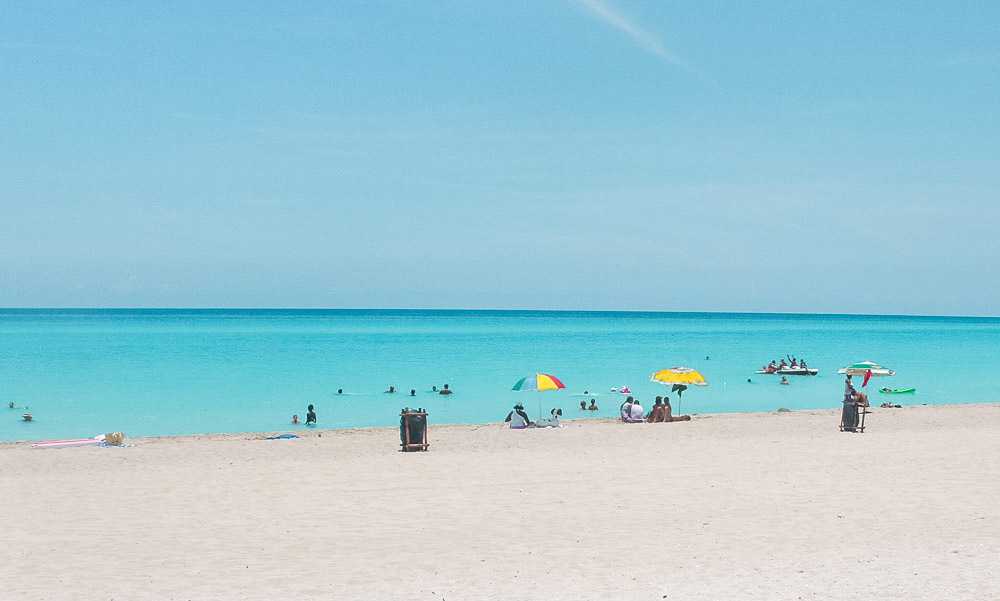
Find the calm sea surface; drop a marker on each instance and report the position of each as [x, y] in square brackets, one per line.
[156, 372]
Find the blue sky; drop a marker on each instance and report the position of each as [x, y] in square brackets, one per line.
[564, 154]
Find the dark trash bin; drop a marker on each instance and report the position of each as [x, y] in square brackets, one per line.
[413, 430]
[849, 417]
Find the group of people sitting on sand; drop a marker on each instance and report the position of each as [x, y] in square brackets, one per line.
[792, 363]
[632, 412]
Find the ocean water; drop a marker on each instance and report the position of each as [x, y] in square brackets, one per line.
[164, 372]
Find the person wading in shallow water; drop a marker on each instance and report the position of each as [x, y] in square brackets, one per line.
[310, 416]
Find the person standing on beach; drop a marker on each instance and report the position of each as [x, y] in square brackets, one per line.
[310, 416]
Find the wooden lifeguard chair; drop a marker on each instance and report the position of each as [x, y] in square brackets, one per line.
[859, 416]
[413, 430]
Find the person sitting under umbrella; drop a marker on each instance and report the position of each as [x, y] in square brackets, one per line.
[517, 418]
[632, 411]
[656, 414]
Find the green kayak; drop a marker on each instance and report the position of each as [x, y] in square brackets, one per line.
[887, 391]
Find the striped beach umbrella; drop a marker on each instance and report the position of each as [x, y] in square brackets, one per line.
[861, 369]
[538, 382]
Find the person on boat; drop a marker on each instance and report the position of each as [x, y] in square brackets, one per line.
[593, 405]
[310, 416]
[782, 365]
[802, 364]
[517, 418]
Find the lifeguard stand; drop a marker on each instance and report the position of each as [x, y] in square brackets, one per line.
[853, 421]
[413, 430]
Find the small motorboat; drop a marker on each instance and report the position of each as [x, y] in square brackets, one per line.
[906, 391]
[788, 370]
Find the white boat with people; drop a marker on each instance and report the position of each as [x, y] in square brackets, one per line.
[792, 367]
[790, 371]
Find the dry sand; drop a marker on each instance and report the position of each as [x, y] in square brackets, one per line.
[752, 506]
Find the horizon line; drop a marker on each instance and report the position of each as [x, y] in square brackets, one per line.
[480, 310]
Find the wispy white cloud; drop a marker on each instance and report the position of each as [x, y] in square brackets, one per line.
[643, 38]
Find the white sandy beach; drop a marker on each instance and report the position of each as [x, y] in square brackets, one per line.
[751, 506]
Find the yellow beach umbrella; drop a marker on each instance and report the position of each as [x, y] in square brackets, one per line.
[680, 378]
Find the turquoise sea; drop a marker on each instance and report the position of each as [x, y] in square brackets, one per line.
[162, 372]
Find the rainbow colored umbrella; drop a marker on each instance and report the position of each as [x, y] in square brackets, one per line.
[538, 382]
[680, 377]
